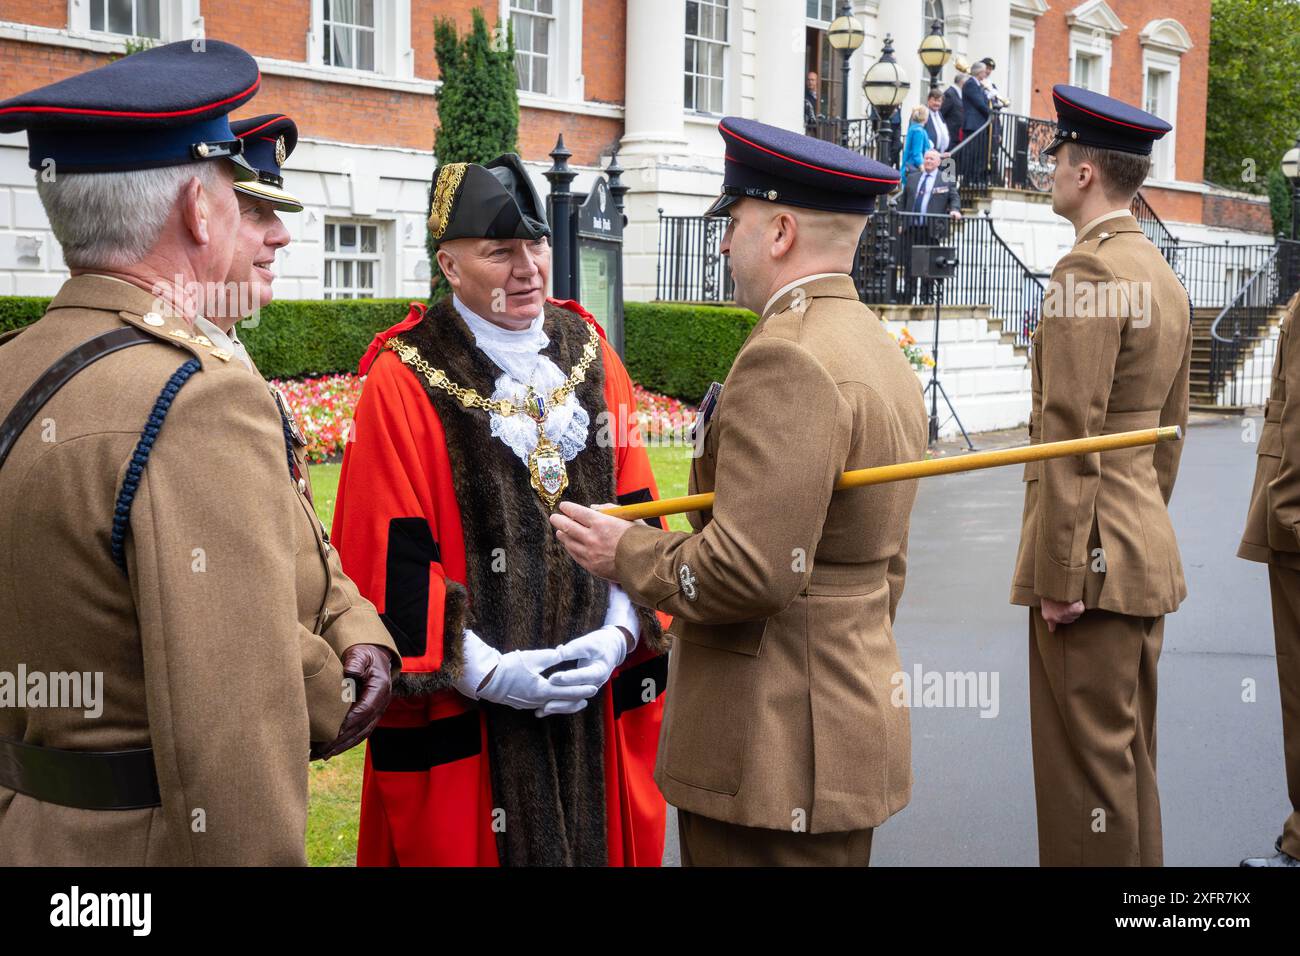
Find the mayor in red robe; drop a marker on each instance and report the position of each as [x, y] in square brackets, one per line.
[444, 526]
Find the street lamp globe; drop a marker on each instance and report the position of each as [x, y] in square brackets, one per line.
[1291, 163]
[846, 33]
[885, 83]
[934, 49]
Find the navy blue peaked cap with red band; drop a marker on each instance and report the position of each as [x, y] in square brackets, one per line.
[160, 107]
[1093, 119]
[777, 165]
[269, 140]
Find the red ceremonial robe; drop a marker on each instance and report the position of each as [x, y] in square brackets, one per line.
[430, 803]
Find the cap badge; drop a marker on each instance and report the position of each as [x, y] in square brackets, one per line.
[281, 154]
[444, 194]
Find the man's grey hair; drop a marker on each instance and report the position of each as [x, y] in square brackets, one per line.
[979, 68]
[111, 220]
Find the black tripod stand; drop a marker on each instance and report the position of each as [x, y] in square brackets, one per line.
[934, 264]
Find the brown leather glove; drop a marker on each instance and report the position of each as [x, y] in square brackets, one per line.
[370, 667]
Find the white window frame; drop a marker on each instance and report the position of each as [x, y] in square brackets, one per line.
[1102, 62]
[726, 44]
[821, 24]
[393, 54]
[564, 74]
[378, 257]
[177, 20]
[553, 43]
[1093, 26]
[1024, 20]
[1164, 151]
[1163, 44]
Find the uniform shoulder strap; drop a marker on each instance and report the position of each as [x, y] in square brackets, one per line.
[58, 375]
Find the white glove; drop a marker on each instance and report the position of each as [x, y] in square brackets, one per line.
[597, 654]
[621, 614]
[516, 679]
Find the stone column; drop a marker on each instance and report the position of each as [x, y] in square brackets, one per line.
[779, 65]
[654, 98]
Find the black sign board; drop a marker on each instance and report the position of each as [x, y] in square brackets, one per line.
[598, 261]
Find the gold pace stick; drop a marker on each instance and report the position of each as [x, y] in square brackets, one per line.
[905, 471]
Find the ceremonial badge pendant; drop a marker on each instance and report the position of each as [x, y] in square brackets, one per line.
[547, 473]
[546, 463]
[546, 468]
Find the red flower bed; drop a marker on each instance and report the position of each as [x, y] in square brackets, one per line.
[660, 417]
[324, 408]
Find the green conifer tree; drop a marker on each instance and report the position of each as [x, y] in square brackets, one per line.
[478, 104]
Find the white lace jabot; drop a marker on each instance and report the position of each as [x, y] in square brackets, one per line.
[518, 355]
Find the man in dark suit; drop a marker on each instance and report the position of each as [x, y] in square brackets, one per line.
[930, 193]
[953, 110]
[976, 112]
[935, 127]
[810, 104]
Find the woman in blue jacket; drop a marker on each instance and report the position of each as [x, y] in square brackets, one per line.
[917, 142]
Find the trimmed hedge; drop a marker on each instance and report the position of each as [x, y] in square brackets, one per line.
[299, 337]
[674, 349]
[680, 350]
[19, 310]
[289, 339]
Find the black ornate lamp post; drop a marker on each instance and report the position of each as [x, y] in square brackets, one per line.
[885, 86]
[617, 188]
[845, 35]
[560, 176]
[935, 52]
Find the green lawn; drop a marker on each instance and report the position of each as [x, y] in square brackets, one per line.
[336, 785]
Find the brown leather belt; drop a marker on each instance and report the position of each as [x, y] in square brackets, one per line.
[87, 780]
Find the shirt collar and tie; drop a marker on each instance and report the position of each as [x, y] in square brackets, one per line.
[923, 190]
[223, 340]
[940, 131]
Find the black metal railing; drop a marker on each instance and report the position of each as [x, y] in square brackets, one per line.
[988, 272]
[691, 266]
[1215, 273]
[1006, 152]
[1243, 336]
[1154, 228]
[856, 134]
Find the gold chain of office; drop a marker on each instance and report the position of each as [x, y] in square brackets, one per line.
[469, 398]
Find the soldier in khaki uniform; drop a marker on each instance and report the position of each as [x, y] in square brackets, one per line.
[1098, 564]
[1273, 536]
[780, 742]
[159, 532]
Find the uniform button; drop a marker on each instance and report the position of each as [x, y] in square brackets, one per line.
[302, 485]
[152, 318]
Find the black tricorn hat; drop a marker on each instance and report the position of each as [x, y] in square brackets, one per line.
[493, 201]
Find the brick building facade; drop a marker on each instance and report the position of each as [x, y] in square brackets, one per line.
[359, 77]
